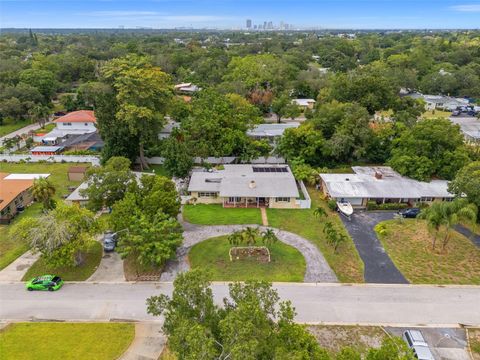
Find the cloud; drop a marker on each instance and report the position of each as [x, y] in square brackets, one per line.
[466, 8]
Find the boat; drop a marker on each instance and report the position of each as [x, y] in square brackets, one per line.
[345, 208]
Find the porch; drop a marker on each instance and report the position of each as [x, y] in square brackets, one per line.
[245, 202]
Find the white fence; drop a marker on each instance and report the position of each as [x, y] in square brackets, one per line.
[51, 158]
[307, 203]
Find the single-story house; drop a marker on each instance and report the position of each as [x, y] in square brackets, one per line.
[76, 173]
[46, 150]
[305, 103]
[433, 102]
[168, 129]
[15, 194]
[246, 185]
[470, 127]
[77, 198]
[383, 185]
[270, 131]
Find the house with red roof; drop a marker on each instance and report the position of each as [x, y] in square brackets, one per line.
[73, 130]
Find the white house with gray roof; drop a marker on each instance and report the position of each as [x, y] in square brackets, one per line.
[249, 185]
[271, 131]
[383, 185]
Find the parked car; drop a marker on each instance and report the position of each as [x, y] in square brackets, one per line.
[109, 241]
[417, 343]
[44, 282]
[410, 212]
[456, 112]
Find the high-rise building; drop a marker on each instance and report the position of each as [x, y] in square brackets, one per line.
[249, 24]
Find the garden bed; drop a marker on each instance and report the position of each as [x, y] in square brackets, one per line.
[258, 253]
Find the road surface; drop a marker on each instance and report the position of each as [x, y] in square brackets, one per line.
[314, 303]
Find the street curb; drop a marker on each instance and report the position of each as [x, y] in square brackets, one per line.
[318, 284]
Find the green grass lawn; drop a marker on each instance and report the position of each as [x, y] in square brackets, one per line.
[79, 273]
[474, 337]
[287, 263]
[72, 341]
[436, 114]
[409, 245]
[46, 129]
[346, 264]
[9, 249]
[217, 215]
[158, 170]
[9, 126]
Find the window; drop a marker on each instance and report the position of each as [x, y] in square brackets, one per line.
[427, 199]
[67, 124]
[232, 199]
[207, 194]
[282, 199]
[86, 124]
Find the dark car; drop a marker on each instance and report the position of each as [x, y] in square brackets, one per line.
[109, 241]
[410, 213]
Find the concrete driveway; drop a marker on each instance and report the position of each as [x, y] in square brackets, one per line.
[379, 268]
[17, 269]
[467, 233]
[445, 343]
[110, 268]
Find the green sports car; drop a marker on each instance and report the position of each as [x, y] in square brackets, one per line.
[45, 282]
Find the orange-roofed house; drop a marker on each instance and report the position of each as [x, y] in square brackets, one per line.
[15, 194]
[73, 124]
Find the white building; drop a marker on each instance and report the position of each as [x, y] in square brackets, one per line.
[305, 103]
[383, 185]
[75, 123]
[271, 131]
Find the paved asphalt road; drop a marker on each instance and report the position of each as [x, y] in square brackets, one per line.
[314, 303]
[379, 268]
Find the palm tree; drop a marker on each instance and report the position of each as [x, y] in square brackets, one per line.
[434, 217]
[269, 238]
[43, 191]
[235, 238]
[455, 212]
[40, 113]
[250, 236]
[320, 212]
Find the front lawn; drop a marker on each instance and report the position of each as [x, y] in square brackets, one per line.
[287, 263]
[157, 169]
[217, 215]
[436, 114]
[474, 337]
[9, 249]
[50, 341]
[79, 273]
[409, 245]
[346, 264]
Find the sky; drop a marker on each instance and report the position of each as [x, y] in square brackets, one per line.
[331, 14]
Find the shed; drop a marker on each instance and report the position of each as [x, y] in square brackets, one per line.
[76, 173]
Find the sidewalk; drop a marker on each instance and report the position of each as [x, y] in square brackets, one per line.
[148, 343]
[18, 268]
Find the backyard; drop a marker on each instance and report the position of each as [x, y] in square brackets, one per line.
[9, 249]
[217, 215]
[287, 263]
[70, 273]
[73, 341]
[409, 245]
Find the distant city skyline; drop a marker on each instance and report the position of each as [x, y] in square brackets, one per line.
[230, 14]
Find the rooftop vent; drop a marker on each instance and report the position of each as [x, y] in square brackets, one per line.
[252, 184]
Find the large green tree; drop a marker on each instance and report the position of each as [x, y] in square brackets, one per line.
[142, 92]
[61, 235]
[431, 147]
[108, 184]
[254, 324]
[467, 182]
[43, 191]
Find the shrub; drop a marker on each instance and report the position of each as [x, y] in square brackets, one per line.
[372, 205]
[332, 204]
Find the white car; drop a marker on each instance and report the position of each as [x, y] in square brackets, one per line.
[417, 343]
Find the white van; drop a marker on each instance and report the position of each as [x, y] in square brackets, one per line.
[417, 343]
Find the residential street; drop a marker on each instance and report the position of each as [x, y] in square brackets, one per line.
[314, 303]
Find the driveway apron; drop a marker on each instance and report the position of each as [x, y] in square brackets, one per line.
[467, 233]
[379, 268]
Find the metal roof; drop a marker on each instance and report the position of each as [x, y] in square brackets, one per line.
[271, 130]
[364, 184]
[242, 181]
[47, 148]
